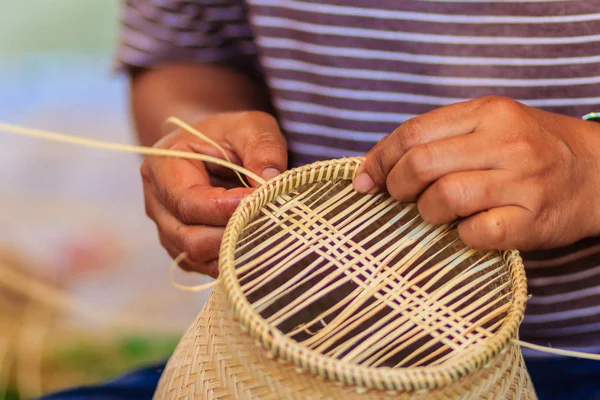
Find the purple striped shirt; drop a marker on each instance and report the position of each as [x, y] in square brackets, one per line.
[344, 73]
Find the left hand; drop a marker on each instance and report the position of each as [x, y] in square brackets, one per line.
[519, 176]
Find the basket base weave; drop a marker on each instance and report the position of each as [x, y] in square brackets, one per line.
[217, 360]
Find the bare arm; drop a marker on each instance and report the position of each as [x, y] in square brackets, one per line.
[192, 92]
[190, 202]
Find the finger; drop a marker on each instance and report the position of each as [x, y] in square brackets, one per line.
[424, 164]
[502, 228]
[227, 183]
[183, 141]
[452, 120]
[465, 193]
[215, 169]
[150, 201]
[201, 243]
[185, 191]
[160, 216]
[210, 268]
[260, 145]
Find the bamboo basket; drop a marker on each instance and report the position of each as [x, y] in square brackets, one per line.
[325, 293]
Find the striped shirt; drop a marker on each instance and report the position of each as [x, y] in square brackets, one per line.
[344, 73]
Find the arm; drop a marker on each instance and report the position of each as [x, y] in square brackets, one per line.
[191, 202]
[192, 92]
[195, 69]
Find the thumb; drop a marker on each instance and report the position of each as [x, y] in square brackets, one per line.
[501, 228]
[260, 145]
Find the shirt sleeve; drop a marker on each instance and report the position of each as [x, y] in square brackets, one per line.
[153, 32]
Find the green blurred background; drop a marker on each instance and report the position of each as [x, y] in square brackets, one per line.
[84, 291]
[84, 26]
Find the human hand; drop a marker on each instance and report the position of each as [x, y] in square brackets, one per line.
[519, 176]
[191, 201]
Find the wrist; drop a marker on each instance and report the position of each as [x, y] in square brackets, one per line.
[192, 92]
[590, 170]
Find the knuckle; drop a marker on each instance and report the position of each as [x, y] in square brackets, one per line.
[521, 148]
[221, 209]
[490, 189]
[212, 268]
[184, 210]
[375, 167]
[451, 192]
[471, 238]
[190, 244]
[395, 190]
[183, 264]
[265, 144]
[162, 238]
[548, 231]
[267, 140]
[419, 162]
[501, 105]
[168, 140]
[181, 145]
[260, 122]
[259, 118]
[187, 265]
[148, 209]
[145, 170]
[424, 210]
[409, 134]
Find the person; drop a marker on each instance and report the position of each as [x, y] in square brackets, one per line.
[472, 109]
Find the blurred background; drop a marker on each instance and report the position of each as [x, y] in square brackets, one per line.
[84, 289]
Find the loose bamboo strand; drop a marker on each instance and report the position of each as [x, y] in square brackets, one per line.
[185, 288]
[190, 129]
[125, 148]
[559, 352]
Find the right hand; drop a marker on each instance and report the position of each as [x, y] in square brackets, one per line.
[191, 201]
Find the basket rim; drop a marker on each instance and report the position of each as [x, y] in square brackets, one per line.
[392, 379]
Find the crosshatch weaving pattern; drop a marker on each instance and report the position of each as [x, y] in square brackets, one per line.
[325, 292]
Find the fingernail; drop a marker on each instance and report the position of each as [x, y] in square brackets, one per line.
[270, 173]
[363, 183]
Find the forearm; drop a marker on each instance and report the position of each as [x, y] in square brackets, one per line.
[191, 92]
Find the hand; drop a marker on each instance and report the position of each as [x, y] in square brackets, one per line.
[191, 201]
[519, 176]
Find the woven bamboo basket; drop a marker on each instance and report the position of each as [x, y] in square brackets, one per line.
[325, 293]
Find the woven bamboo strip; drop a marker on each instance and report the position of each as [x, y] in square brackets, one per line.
[216, 359]
[452, 312]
